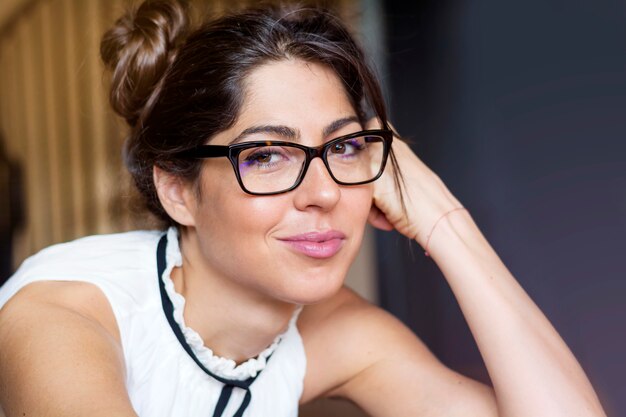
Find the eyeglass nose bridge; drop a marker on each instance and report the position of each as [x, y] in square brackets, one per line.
[317, 152]
[312, 153]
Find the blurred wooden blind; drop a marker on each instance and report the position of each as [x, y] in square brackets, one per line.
[56, 121]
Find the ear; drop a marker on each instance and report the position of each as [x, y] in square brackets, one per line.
[175, 196]
[378, 219]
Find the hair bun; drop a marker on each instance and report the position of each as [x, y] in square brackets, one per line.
[138, 50]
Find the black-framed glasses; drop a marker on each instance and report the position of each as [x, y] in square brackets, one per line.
[274, 167]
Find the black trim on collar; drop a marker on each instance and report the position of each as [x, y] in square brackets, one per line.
[168, 309]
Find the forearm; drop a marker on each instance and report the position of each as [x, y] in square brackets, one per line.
[533, 371]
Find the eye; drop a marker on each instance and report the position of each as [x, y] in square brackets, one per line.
[265, 156]
[261, 157]
[268, 158]
[339, 148]
[348, 147]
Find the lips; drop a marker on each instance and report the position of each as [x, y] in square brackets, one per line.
[319, 245]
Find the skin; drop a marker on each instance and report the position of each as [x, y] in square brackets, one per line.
[354, 350]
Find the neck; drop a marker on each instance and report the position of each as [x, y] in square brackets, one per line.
[235, 322]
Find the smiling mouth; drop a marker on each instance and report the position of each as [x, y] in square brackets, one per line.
[319, 245]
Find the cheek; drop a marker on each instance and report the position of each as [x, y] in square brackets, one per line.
[232, 232]
[232, 221]
[226, 211]
[357, 202]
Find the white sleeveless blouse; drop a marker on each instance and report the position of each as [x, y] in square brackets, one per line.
[163, 379]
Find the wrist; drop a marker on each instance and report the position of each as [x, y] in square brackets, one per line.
[453, 232]
[432, 230]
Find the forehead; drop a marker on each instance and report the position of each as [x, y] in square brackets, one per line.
[280, 76]
[294, 92]
[304, 96]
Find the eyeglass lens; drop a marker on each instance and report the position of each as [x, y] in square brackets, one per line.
[269, 169]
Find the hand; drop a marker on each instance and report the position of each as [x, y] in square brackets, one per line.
[426, 197]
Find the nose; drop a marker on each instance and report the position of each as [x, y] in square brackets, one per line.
[318, 189]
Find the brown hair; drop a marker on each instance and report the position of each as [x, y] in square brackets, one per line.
[178, 87]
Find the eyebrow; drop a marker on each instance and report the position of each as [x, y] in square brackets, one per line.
[292, 134]
[338, 124]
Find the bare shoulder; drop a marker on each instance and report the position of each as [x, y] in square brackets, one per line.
[82, 298]
[342, 336]
[59, 342]
[355, 349]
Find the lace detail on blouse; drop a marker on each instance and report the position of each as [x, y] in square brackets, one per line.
[223, 367]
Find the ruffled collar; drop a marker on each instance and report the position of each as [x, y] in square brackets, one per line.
[223, 367]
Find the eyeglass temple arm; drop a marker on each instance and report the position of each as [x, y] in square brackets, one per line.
[206, 151]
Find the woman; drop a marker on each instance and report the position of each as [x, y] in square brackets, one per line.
[250, 138]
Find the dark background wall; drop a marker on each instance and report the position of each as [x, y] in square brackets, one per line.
[520, 107]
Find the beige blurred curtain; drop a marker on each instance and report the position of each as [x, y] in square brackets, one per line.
[56, 121]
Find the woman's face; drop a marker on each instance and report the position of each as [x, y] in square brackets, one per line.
[296, 246]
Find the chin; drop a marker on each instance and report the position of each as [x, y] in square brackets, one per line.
[312, 290]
